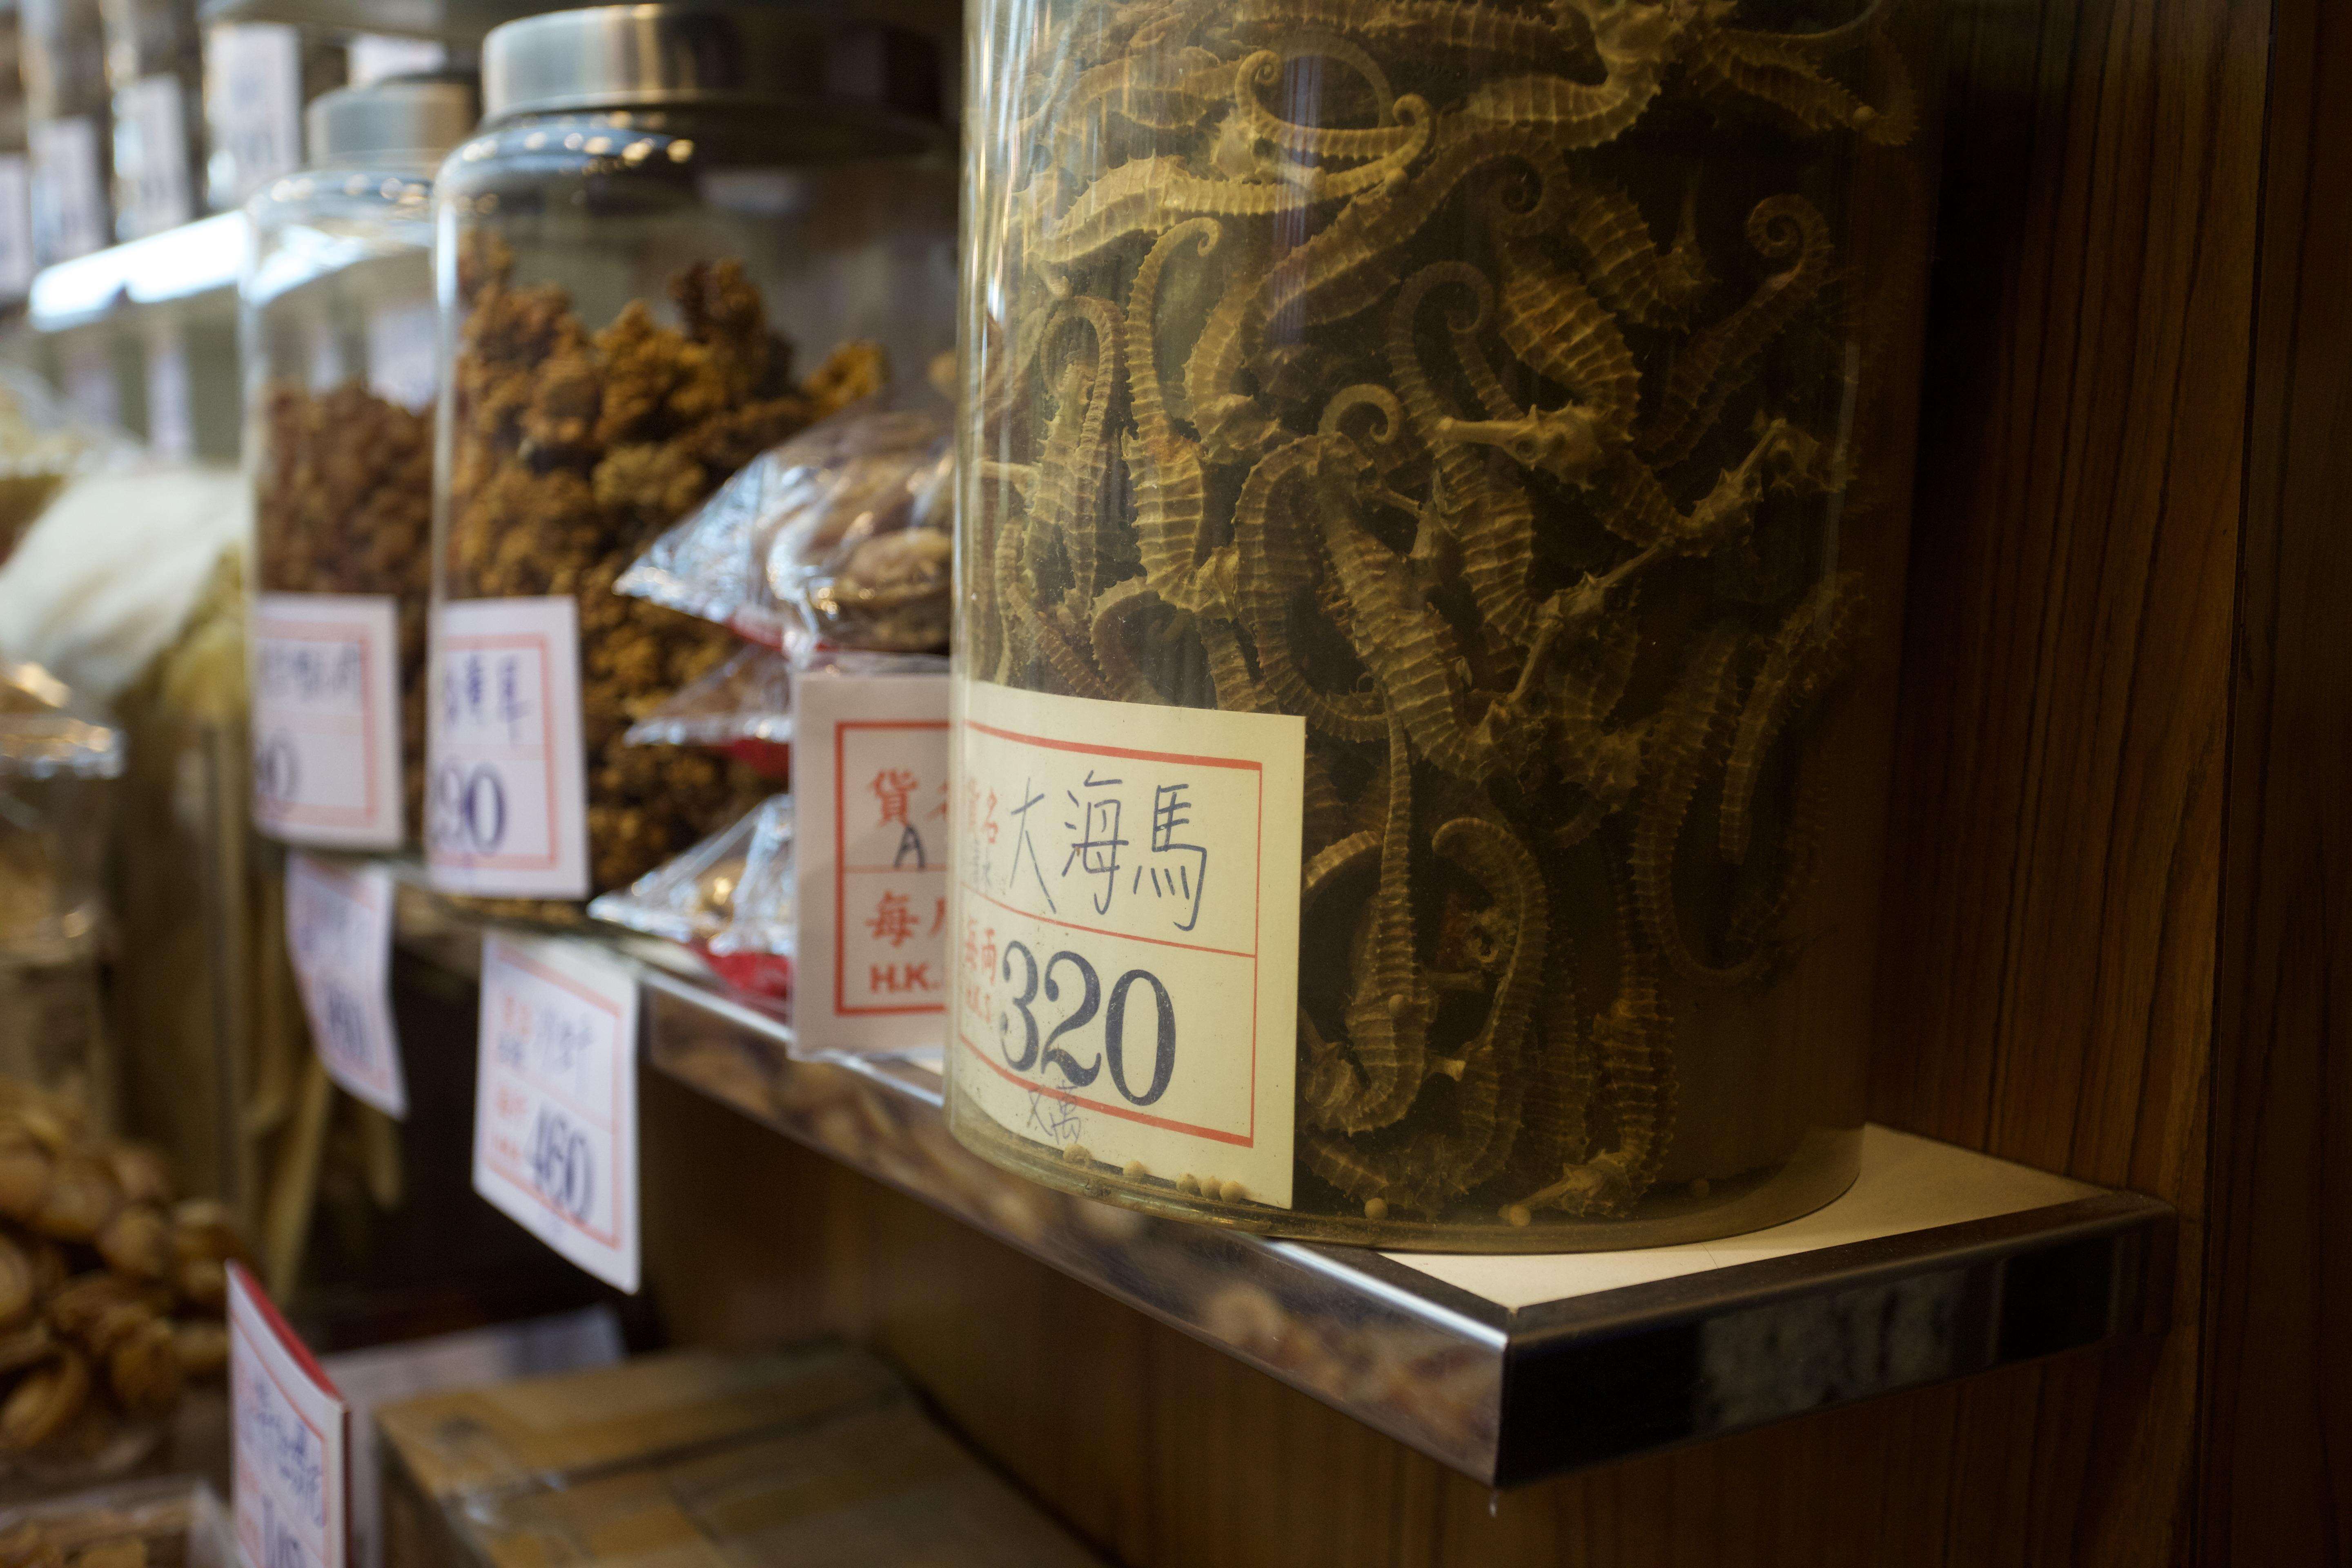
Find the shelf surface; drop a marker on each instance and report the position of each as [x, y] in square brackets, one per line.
[1940, 1262]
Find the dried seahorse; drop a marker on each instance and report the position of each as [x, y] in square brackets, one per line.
[1638, 509]
[1555, 326]
[1395, 132]
[1171, 518]
[1395, 638]
[1691, 736]
[1467, 27]
[1078, 512]
[1391, 1006]
[1626, 268]
[1488, 519]
[1494, 854]
[1145, 196]
[1237, 689]
[1560, 1076]
[1604, 762]
[1729, 64]
[1633, 1040]
[1719, 361]
[1807, 656]
[1118, 614]
[1635, 42]
[1278, 563]
[1341, 270]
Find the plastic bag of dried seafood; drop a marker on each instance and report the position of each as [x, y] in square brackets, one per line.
[840, 536]
[729, 899]
[743, 707]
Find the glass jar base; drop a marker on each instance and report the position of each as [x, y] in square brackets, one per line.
[1822, 1168]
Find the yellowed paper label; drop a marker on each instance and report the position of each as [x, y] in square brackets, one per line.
[1126, 956]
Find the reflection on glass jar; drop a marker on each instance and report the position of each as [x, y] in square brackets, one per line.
[1521, 404]
[684, 235]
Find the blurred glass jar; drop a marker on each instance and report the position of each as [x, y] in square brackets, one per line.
[58, 761]
[684, 233]
[1459, 457]
[65, 110]
[155, 74]
[341, 357]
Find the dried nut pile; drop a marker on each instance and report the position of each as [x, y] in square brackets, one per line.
[1470, 380]
[574, 451]
[145, 1532]
[344, 505]
[111, 1295]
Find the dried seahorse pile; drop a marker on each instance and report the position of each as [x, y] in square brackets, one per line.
[1332, 367]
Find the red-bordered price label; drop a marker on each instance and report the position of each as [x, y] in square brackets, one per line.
[1126, 932]
[871, 811]
[506, 811]
[339, 935]
[326, 719]
[555, 1114]
[290, 1430]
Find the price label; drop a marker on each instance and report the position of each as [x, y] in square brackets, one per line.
[338, 931]
[1125, 960]
[151, 157]
[871, 817]
[253, 104]
[69, 196]
[326, 719]
[555, 1112]
[290, 1433]
[506, 803]
[16, 264]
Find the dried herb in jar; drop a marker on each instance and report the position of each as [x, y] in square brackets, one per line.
[575, 449]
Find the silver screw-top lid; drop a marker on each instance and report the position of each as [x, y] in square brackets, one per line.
[415, 118]
[792, 58]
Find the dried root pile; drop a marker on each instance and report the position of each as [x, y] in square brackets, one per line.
[1335, 366]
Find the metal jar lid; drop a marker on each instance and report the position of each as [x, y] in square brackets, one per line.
[415, 118]
[790, 58]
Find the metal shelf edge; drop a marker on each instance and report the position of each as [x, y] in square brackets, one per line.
[1505, 1397]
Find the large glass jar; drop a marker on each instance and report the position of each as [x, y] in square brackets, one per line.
[340, 353]
[684, 234]
[1430, 540]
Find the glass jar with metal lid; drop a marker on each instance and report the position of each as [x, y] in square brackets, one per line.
[1431, 539]
[684, 233]
[342, 365]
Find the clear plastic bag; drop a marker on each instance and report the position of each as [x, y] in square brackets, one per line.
[841, 535]
[729, 899]
[743, 707]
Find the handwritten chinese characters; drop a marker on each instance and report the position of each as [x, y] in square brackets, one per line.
[339, 935]
[873, 808]
[1125, 949]
[291, 1435]
[505, 793]
[555, 1117]
[326, 719]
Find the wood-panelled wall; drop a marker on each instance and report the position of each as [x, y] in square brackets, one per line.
[2063, 921]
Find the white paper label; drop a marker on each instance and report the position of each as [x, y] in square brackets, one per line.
[289, 1430]
[151, 157]
[255, 106]
[16, 263]
[870, 841]
[1126, 920]
[506, 801]
[171, 419]
[326, 719]
[375, 55]
[89, 379]
[555, 1110]
[339, 933]
[401, 344]
[68, 203]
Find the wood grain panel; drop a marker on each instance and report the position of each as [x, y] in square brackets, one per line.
[2276, 1471]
